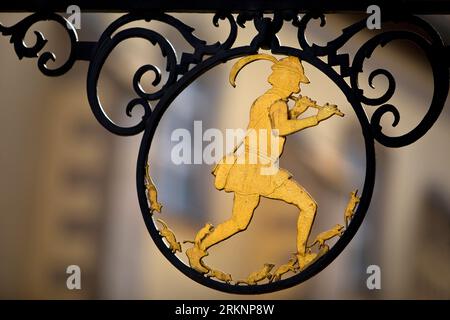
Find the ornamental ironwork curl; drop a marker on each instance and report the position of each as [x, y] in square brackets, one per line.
[19, 31]
[428, 41]
[111, 38]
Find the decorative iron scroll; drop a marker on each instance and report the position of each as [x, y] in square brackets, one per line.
[184, 71]
[18, 32]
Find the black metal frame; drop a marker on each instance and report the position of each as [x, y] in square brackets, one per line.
[205, 56]
[231, 6]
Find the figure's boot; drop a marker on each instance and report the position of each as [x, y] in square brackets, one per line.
[305, 259]
[195, 256]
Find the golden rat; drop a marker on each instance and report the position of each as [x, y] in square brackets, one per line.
[222, 276]
[152, 192]
[285, 268]
[202, 234]
[351, 207]
[337, 230]
[168, 234]
[257, 276]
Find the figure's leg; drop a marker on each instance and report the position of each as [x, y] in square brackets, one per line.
[291, 192]
[243, 208]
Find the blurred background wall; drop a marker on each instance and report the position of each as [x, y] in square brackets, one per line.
[67, 193]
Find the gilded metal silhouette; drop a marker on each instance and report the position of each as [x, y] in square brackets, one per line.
[285, 268]
[351, 207]
[258, 276]
[152, 193]
[169, 235]
[220, 275]
[235, 174]
[322, 237]
[201, 234]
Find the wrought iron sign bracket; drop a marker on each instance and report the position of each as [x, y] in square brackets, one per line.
[268, 17]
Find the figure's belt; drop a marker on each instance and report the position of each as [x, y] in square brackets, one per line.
[262, 155]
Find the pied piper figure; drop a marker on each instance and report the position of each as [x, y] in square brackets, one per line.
[268, 112]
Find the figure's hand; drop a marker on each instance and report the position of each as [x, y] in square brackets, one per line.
[301, 105]
[305, 101]
[327, 111]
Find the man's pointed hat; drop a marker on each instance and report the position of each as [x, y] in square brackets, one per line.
[290, 64]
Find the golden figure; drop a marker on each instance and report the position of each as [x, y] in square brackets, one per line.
[268, 112]
[152, 193]
[258, 276]
[351, 207]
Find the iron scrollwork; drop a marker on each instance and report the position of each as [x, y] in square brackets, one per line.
[432, 46]
[18, 32]
[110, 39]
[182, 72]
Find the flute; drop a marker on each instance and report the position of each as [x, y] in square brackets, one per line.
[316, 106]
[296, 99]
